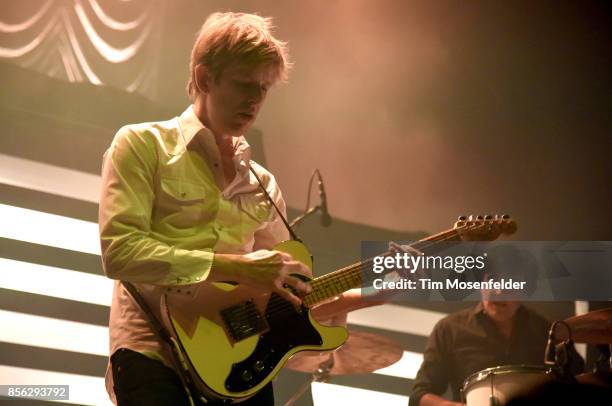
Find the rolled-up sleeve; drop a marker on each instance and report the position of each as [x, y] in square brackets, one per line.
[129, 252]
[433, 376]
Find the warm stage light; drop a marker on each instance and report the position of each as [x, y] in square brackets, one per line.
[397, 318]
[49, 229]
[330, 394]
[407, 367]
[56, 282]
[52, 179]
[46, 332]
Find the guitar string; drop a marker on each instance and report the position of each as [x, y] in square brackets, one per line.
[277, 304]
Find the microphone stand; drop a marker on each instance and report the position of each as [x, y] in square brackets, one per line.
[304, 215]
[322, 374]
[322, 206]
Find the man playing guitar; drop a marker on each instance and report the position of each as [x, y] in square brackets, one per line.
[181, 204]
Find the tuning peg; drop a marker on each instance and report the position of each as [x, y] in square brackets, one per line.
[479, 217]
[505, 216]
[488, 217]
[462, 218]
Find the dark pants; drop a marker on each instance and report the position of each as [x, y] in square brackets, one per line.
[140, 380]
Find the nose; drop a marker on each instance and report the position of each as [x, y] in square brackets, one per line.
[257, 94]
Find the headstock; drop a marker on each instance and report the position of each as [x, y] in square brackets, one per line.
[484, 228]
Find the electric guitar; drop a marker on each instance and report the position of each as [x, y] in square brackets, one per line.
[235, 339]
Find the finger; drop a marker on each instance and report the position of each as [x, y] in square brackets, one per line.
[298, 267]
[412, 250]
[285, 256]
[394, 247]
[287, 295]
[298, 285]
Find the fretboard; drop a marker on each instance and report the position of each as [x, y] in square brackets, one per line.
[353, 276]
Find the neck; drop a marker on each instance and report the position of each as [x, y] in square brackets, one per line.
[224, 140]
[504, 326]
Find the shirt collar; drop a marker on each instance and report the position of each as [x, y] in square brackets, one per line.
[478, 311]
[190, 125]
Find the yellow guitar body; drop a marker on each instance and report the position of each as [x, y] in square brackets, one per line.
[211, 351]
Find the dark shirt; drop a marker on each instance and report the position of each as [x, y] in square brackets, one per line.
[468, 341]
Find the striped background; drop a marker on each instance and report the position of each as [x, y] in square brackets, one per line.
[54, 300]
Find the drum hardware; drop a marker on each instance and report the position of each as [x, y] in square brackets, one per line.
[495, 386]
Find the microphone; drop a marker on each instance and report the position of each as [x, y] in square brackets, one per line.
[550, 352]
[326, 219]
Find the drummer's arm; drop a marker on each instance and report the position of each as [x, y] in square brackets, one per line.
[347, 302]
[429, 399]
[353, 299]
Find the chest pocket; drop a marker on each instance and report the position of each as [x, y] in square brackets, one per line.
[183, 192]
[184, 204]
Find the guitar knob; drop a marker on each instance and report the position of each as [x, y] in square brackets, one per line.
[246, 375]
[258, 366]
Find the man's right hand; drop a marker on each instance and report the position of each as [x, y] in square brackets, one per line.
[263, 269]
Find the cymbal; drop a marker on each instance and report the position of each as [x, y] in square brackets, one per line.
[592, 328]
[362, 353]
[602, 378]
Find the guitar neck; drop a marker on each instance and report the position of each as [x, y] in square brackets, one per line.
[335, 283]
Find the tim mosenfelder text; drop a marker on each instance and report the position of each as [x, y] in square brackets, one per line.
[405, 262]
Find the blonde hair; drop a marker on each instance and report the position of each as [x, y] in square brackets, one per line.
[227, 38]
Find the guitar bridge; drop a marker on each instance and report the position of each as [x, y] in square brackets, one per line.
[243, 321]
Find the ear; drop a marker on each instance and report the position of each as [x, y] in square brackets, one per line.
[201, 79]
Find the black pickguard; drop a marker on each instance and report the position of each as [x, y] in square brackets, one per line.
[288, 329]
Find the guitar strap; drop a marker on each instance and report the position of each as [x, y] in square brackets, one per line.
[175, 351]
[294, 236]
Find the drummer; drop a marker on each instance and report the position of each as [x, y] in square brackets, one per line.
[493, 332]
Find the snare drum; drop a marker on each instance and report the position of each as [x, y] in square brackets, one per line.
[496, 386]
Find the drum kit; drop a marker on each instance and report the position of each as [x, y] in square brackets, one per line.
[366, 352]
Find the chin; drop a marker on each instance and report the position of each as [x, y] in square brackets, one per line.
[239, 129]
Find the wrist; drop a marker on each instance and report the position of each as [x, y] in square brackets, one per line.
[226, 267]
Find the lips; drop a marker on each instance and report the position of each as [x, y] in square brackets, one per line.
[247, 115]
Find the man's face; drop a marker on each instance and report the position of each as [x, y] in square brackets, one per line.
[233, 100]
[495, 307]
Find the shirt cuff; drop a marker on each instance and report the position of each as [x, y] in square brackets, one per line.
[192, 267]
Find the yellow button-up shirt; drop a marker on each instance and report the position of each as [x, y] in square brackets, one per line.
[165, 210]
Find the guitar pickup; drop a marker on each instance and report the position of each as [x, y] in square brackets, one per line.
[243, 321]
